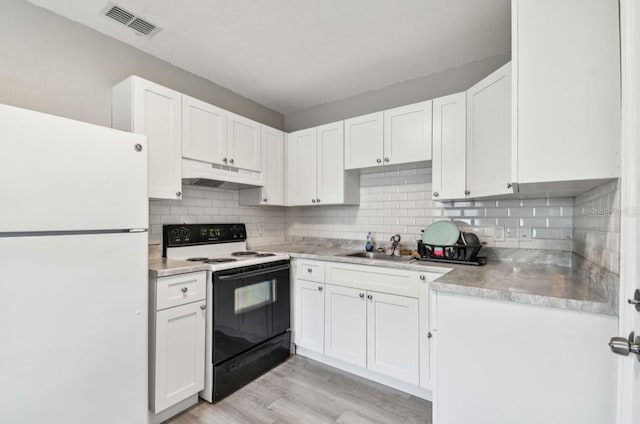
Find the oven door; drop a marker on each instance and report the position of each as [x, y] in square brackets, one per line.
[250, 306]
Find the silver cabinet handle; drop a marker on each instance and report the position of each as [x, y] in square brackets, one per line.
[422, 277]
[319, 288]
[313, 200]
[138, 147]
[436, 194]
[361, 295]
[184, 289]
[369, 297]
[178, 193]
[379, 160]
[386, 159]
[203, 307]
[429, 335]
[467, 192]
[264, 200]
[509, 185]
[317, 200]
[230, 160]
[224, 160]
[309, 270]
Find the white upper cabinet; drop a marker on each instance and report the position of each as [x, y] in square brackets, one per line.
[204, 131]
[449, 147]
[147, 108]
[407, 133]
[273, 170]
[489, 135]
[330, 184]
[244, 147]
[566, 78]
[315, 163]
[302, 156]
[363, 141]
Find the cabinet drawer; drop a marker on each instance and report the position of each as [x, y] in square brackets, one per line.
[310, 270]
[374, 278]
[180, 289]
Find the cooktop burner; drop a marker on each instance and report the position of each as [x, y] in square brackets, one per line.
[196, 259]
[220, 260]
[264, 255]
[244, 253]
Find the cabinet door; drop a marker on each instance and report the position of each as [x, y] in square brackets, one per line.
[244, 145]
[157, 113]
[303, 162]
[330, 175]
[345, 332]
[489, 135]
[179, 354]
[273, 166]
[363, 141]
[309, 315]
[204, 131]
[407, 133]
[449, 147]
[392, 336]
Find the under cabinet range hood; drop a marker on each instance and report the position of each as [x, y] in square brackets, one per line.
[207, 175]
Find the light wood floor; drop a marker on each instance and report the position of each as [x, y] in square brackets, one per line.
[303, 391]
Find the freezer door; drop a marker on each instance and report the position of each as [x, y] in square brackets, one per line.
[57, 174]
[73, 329]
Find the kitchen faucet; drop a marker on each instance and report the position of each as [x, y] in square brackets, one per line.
[395, 241]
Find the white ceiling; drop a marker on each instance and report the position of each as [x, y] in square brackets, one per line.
[294, 54]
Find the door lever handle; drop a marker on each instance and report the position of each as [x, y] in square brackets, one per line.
[625, 346]
[636, 300]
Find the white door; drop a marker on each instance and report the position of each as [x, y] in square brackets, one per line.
[303, 159]
[273, 166]
[74, 327]
[61, 175]
[392, 336]
[204, 131]
[179, 361]
[157, 113]
[629, 367]
[309, 315]
[345, 331]
[407, 133]
[363, 141]
[244, 146]
[330, 174]
[489, 135]
[449, 147]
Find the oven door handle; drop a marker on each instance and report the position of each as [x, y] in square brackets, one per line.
[253, 273]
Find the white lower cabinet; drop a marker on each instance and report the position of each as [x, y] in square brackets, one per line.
[176, 340]
[309, 315]
[345, 331]
[505, 362]
[370, 320]
[392, 336]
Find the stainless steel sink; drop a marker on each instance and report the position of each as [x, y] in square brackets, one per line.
[381, 256]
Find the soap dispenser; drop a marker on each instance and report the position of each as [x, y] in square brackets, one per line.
[369, 246]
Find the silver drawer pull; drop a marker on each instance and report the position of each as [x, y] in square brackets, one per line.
[203, 307]
[184, 289]
[361, 295]
[319, 288]
[309, 270]
[370, 297]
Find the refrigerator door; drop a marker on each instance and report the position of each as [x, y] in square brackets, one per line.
[73, 329]
[57, 174]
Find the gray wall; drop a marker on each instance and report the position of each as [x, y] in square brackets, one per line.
[51, 64]
[442, 83]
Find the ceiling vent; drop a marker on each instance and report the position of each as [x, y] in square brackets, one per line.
[136, 23]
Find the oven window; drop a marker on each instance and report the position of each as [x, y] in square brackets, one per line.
[254, 296]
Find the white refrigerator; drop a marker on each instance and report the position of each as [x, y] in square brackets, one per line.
[73, 271]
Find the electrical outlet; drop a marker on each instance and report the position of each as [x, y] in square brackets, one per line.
[498, 233]
[524, 234]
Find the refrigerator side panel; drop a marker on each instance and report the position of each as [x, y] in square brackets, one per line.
[57, 174]
[74, 314]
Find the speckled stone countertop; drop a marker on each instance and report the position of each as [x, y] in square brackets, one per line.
[535, 277]
[163, 267]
